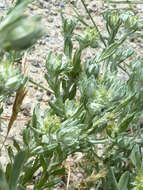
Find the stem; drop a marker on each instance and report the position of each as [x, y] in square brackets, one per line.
[8, 118]
[101, 37]
[123, 69]
[81, 20]
[40, 86]
[127, 2]
[79, 17]
[139, 134]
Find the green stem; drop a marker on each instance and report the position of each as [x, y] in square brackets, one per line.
[126, 2]
[79, 17]
[123, 69]
[101, 37]
[40, 86]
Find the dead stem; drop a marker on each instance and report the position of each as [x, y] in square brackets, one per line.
[68, 180]
[21, 93]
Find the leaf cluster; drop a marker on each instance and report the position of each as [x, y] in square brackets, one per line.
[94, 110]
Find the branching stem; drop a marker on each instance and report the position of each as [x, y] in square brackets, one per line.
[40, 86]
[127, 2]
[101, 37]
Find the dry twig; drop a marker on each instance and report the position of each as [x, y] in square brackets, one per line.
[21, 93]
[68, 180]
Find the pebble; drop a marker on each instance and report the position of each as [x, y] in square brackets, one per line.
[73, 3]
[44, 4]
[58, 26]
[54, 13]
[42, 42]
[94, 6]
[26, 109]
[50, 19]
[79, 176]
[91, 10]
[61, 4]
[39, 96]
[35, 63]
[9, 101]
[33, 70]
[2, 5]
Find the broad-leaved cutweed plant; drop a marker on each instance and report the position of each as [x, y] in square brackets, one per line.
[95, 109]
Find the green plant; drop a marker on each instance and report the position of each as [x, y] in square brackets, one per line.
[94, 110]
[8, 180]
[15, 37]
[139, 181]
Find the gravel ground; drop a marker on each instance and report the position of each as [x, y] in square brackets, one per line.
[53, 40]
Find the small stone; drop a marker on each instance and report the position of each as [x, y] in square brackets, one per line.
[50, 19]
[91, 10]
[41, 2]
[54, 13]
[52, 97]
[35, 63]
[9, 101]
[39, 97]
[44, 4]
[2, 5]
[30, 85]
[57, 26]
[79, 176]
[73, 3]
[94, 6]
[56, 4]
[47, 36]
[33, 70]
[62, 4]
[48, 93]
[26, 109]
[31, 8]
[42, 42]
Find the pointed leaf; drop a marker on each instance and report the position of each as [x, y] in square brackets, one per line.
[110, 50]
[3, 183]
[113, 179]
[16, 169]
[124, 181]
